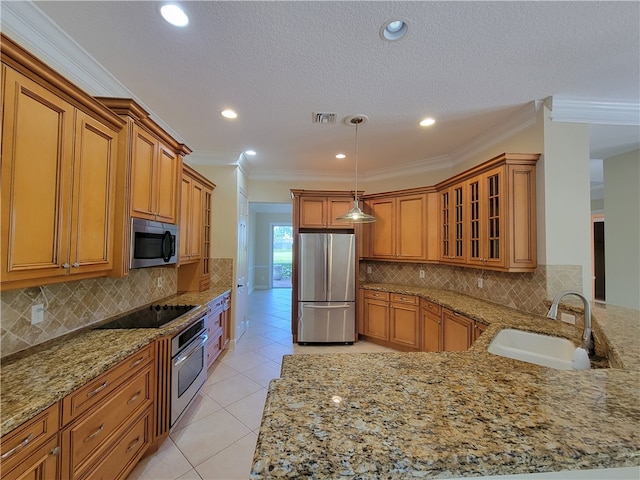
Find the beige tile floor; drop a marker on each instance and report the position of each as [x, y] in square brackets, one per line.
[216, 436]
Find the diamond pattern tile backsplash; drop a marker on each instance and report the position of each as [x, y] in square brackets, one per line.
[528, 292]
[72, 305]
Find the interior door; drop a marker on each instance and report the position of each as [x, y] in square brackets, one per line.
[242, 268]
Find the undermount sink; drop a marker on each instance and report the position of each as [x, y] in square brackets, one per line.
[544, 350]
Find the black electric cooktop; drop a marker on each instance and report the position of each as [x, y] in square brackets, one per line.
[153, 316]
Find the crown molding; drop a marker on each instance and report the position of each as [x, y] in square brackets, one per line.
[519, 121]
[30, 27]
[441, 162]
[594, 111]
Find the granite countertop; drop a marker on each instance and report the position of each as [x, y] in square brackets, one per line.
[35, 378]
[453, 414]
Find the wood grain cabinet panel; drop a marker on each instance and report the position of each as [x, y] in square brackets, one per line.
[64, 226]
[488, 215]
[401, 230]
[404, 321]
[376, 315]
[194, 239]
[32, 450]
[321, 211]
[431, 327]
[458, 331]
[105, 433]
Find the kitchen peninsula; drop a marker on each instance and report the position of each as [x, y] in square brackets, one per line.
[444, 415]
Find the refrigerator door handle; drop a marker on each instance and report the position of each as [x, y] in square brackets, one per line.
[325, 307]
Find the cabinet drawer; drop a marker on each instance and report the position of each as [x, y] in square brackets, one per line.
[214, 347]
[41, 464]
[80, 401]
[408, 299]
[89, 434]
[376, 295]
[431, 307]
[117, 463]
[24, 440]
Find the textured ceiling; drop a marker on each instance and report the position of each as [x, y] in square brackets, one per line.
[468, 64]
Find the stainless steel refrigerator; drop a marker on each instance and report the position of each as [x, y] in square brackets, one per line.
[326, 288]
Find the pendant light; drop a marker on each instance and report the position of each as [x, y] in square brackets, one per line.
[355, 215]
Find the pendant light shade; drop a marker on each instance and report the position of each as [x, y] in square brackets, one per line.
[355, 215]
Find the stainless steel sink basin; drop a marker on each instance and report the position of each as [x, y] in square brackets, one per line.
[536, 348]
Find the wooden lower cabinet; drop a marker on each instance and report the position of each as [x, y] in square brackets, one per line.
[32, 450]
[431, 314]
[218, 322]
[405, 321]
[106, 439]
[376, 315]
[457, 331]
[408, 323]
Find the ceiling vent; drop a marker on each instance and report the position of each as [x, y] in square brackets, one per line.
[324, 117]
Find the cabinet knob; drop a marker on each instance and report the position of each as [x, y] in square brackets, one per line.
[65, 265]
[55, 451]
[76, 265]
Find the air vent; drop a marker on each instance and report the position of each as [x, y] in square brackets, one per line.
[324, 118]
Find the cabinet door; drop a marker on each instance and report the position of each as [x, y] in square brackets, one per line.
[431, 327]
[313, 212]
[36, 180]
[405, 325]
[457, 331]
[168, 164]
[40, 465]
[382, 241]
[453, 227]
[478, 330]
[411, 221]
[184, 228]
[93, 196]
[143, 174]
[336, 207]
[376, 319]
[197, 224]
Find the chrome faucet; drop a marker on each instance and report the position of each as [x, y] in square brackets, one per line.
[587, 340]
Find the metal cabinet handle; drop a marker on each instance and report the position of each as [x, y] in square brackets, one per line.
[135, 397]
[75, 265]
[89, 437]
[65, 265]
[135, 442]
[98, 390]
[55, 451]
[18, 447]
[137, 362]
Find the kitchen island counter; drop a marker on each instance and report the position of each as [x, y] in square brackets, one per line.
[448, 415]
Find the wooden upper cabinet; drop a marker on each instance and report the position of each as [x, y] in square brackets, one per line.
[154, 172]
[488, 215]
[148, 175]
[321, 211]
[194, 237]
[401, 230]
[58, 178]
[453, 227]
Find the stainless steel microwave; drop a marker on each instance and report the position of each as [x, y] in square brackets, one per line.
[153, 243]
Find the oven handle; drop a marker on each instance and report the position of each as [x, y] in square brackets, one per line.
[187, 356]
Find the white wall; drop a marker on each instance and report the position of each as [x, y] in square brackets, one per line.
[622, 229]
[564, 198]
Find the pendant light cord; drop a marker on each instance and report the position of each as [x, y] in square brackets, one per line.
[357, 122]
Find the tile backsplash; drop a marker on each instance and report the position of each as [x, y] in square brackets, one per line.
[72, 305]
[528, 292]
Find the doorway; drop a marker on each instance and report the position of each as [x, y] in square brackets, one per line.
[599, 279]
[281, 255]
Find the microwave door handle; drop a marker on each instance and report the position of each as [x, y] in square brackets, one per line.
[167, 246]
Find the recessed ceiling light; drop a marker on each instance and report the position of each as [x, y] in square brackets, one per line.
[250, 152]
[174, 15]
[394, 30]
[341, 156]
[229, 114]
[427, 122]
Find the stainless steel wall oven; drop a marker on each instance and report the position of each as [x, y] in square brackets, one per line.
[188, 367]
